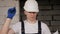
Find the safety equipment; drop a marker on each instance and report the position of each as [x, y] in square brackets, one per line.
[31, 6]
[11, 12]
[23, 29]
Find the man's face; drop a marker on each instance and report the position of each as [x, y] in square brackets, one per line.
[30, 15]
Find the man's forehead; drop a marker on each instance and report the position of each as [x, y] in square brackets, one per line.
[32, 12]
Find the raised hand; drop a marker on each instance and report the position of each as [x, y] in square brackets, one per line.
[11, 12]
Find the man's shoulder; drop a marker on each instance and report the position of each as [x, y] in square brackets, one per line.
[43, 25]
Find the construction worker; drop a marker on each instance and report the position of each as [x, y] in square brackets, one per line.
[29, 26]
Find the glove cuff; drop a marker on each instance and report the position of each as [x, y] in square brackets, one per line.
[10, 17]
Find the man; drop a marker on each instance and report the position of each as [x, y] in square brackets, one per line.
[29, 26]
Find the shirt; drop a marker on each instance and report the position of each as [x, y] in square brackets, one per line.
[31, 28]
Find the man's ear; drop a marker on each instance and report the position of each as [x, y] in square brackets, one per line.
[25, 12]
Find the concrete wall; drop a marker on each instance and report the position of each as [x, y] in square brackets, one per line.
[49, 13]
[4, 6]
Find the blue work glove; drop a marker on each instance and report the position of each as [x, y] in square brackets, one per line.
[11, 12]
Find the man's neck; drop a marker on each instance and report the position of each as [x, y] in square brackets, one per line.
[31, 21]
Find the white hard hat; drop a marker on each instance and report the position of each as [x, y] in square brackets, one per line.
[31, 6]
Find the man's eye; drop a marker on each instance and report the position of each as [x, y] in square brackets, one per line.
[32, 12]
[29, 12]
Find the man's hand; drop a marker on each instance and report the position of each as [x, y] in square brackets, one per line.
[11, 12]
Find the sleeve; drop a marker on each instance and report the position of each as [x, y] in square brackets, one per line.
[45, 29]
[16, 27]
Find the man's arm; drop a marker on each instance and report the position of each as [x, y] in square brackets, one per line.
[5, 27]
[45, 29]
[11, 13]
